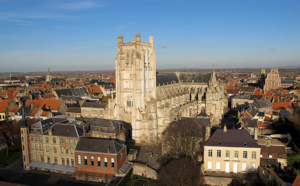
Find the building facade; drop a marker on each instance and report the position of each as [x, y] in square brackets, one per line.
[272, 80]
[99, 160]
[150, 101]
[231, 151]
[50, 145]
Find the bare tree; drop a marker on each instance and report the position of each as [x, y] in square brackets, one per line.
[11, 133]
[184, 138]
[181, 172]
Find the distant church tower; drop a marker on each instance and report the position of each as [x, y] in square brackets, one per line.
[135, 83]
[48, 77]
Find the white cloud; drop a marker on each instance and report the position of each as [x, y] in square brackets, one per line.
[164, 46]
[25, 18]
[77, 5]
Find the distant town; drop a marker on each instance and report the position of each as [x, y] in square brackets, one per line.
[138, 125]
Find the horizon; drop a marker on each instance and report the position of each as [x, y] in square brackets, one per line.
[158, 69]
[81, 35]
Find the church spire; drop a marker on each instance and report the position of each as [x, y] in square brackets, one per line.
[48, 77]
[213, 79]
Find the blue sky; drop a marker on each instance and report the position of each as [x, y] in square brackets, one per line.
[82, 34]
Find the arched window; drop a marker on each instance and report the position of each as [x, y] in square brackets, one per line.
[129, 102]
[105, 162]
[127, 58]
[112, 163]
[99, 162]
[79, 160]
[132, 57]
[85, 160]
[92, 161]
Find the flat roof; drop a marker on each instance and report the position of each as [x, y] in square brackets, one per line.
[49, 166]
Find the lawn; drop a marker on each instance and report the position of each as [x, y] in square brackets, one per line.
[140, 181]
[13, 155]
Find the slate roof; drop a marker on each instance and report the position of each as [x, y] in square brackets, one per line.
[70, 98]
[68, 130]
[232, 138]
[263, 103]
[99, 145]
[252, 97]
[93, 104]
[197, 77]
[106, 125]
[250, 122]
[272, 149]
[74, 110]
[44, 125]
[71, 92]
[167, 78]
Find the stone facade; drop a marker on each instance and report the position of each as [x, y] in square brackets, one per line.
[150, 106]
[48, 77]
[272, 81]
[231, 151]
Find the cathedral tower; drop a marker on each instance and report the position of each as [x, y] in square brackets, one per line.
[135, 82]
[48, 77]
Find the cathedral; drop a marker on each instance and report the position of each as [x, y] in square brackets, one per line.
[150, 100]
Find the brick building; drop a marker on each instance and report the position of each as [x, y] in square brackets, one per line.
[98, 159]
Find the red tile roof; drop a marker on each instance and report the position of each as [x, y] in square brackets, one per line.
[15, 109]
[45, 96]
[264, 125]
[297, 181]
[267, 118]
[282, 105]
[52, 104]
[33, 112]
[3, 105]
[28, 102]
[37, 103]
[2, 94]
[45, 113]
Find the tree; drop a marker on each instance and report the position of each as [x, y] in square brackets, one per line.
[181, 172]
[295, 119]
[11, 133]
[184, 138]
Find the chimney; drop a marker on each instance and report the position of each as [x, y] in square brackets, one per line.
[207, 133]
[255, 133]
[50, 132]
[84, 129]
[120, 127]
[108, 148]
[225, 128]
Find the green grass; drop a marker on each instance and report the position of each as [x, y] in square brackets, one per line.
[138, 180]
[13, 155]
[293, 158]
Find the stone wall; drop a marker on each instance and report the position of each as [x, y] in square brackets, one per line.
[145, 171]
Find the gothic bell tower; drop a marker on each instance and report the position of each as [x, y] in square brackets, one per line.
[135, 81]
